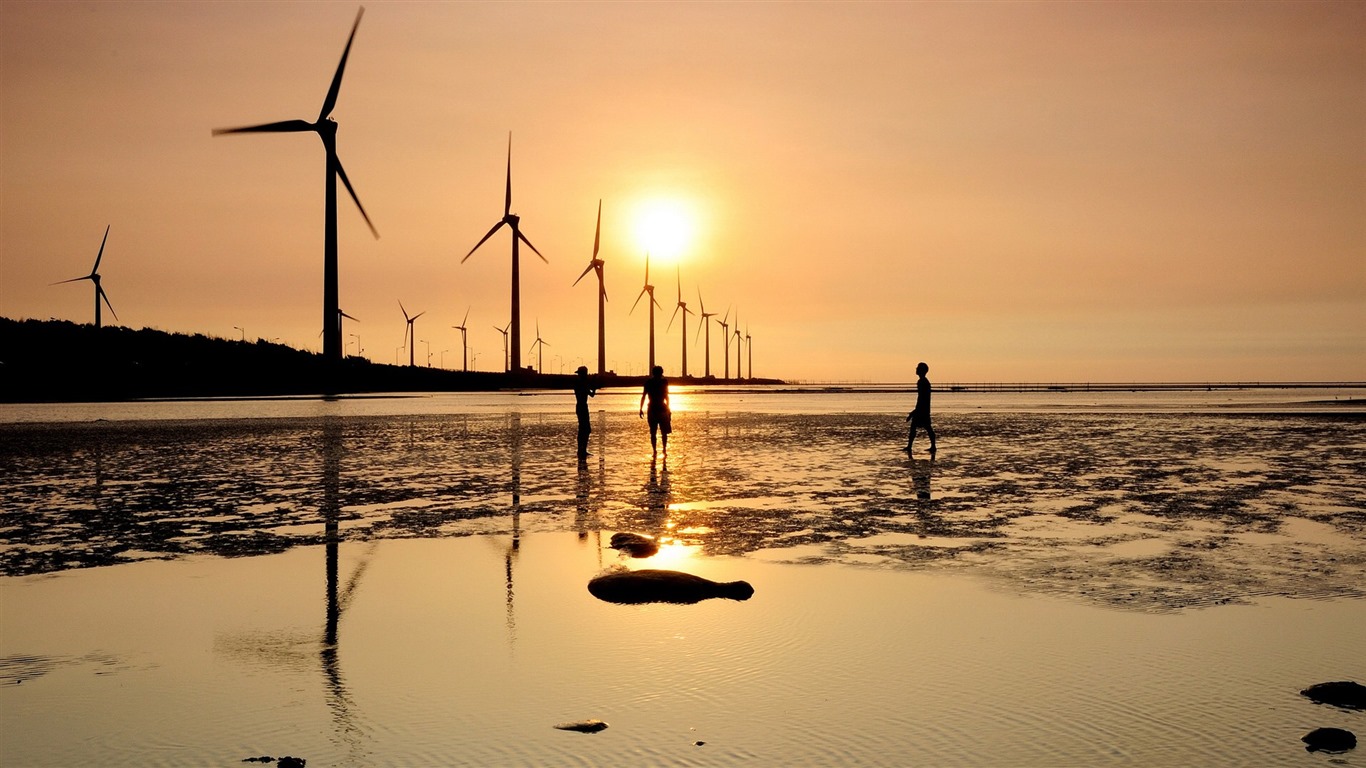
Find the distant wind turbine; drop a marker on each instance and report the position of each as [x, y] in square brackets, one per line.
[410, 333]
[749, 351]
[682, 305]
[94, 277]
[465, 350]
[504, 331]
[725, 336]
[739, 372]
[595, 265]
[704, 324]
[513, 222]
[650, 289]
[326, 128]
[539, 344]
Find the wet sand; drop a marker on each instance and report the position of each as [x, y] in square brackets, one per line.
[1055, 589]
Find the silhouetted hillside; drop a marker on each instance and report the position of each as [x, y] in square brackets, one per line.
[56, 360]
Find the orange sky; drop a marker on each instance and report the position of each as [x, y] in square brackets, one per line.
[1009, 191]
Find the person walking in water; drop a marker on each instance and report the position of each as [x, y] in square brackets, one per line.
[583, 389]
[657, 390]
[920, 417]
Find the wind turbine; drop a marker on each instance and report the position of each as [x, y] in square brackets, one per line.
[504, 331]
[465, 350]
[94, 277]
[739, 372]
[539, 344]
[705, 314]
[749, 350]
[595, 265]
[326, 128]
[512, 221]
[409, 332]
[650, 289]
[725, 336]
[682, 305]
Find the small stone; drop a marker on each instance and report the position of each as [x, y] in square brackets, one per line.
[583, 726]
[1329, 740]
[698, 743]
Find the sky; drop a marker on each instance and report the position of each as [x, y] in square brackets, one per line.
[1046, 192]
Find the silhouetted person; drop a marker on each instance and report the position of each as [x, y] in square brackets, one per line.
[920, 417]
[583, 389]
[657, 391]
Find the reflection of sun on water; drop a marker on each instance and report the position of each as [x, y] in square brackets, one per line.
[673, 554]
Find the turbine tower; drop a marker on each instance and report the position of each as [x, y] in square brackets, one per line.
[650, 289]
[94, 277]
[513, 222]
[595, 265]
[410, 333]
[682, 305]
[326, 128]
[464, 349]
[705, 314]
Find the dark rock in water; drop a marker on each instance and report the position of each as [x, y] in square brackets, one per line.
[651, 586]
[634, 544]
[261, 759]
[292, 762]
[1344, 693]
[1329, 740]
[583, 726]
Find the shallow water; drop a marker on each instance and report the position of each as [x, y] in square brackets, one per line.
[1057, 588]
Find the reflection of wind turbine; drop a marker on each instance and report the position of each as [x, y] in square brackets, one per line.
[650, 289]
[725, 336]
[682, 305]
[465, 350]
[94, 277]
[540, 345]
[409, 333]
[705, 314]
[504, 331]
[326, 128]
[595, 265]
[512, 221]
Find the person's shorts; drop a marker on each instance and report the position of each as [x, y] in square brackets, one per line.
[662, 420]
[920, 420]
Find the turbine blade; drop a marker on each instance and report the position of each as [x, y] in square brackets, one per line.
[74, 279]
[671, 320]
[507, 200]
[597, 233]
[331, 100]
[348, 317]
[105, 296]
[284, 126]
[482, 240]
[585, 274]
[100, 255]
[699, 300]
[405, 312]
[652, 300]
[419, 314]
[341, 173]
[467, 316]
[522, 237]
[633, 306]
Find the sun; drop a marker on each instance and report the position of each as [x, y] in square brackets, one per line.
[664, 228]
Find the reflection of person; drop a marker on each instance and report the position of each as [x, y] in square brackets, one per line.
[583, 389]
[657, 390]
[920, 417]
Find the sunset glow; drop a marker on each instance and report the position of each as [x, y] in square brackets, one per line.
[1041, 191]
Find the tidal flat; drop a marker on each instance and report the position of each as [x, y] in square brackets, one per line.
[1110, 587]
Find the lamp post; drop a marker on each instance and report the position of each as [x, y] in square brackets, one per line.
[243, 330]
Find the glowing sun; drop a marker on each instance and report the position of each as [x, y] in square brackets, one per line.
[664, 228]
